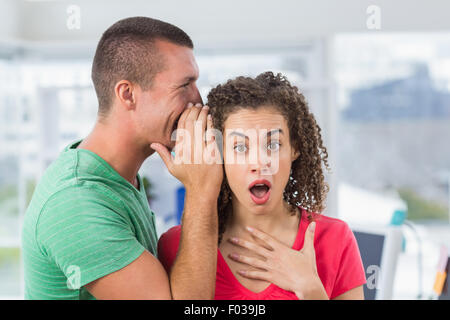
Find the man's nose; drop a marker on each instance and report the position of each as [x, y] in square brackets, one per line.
[196, 97]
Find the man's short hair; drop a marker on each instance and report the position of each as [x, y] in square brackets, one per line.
[127, 51]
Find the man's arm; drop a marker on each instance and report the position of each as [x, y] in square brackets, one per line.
[144, 278]
[193, 275]
[89, 234]
[194, 270]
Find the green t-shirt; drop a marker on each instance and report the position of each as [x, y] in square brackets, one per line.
[84, 221]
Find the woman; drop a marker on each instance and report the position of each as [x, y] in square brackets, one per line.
[273, 243]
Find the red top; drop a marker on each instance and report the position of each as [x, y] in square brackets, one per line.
[338, 261]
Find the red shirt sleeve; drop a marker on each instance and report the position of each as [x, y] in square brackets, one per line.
[168, 247]
[350, 272]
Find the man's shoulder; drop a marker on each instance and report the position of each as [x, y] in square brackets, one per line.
[62, 203]
[71, 191]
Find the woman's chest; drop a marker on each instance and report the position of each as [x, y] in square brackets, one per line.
[233, 267]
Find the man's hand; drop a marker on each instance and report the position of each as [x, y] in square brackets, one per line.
[197, 162]
[198, 165]
[291, 270]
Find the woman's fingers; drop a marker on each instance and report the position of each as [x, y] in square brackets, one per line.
[256, 275]
[270, 243]
[254, 262]
[309, 238]
[260, 250]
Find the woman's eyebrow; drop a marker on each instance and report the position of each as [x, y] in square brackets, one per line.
[274, 131]
[235, 133]
[270, 133]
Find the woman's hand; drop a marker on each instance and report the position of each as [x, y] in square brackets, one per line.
[291, 270]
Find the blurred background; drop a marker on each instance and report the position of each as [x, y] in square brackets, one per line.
[376, 75]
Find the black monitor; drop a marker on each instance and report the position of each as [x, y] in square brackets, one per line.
[380, 247]
[371, 249]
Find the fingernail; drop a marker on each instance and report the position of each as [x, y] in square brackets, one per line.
[235, 240]
[198, 105]
[190, 104]
[249, 229]
[209, 117]
[205, 107]
[234, 256]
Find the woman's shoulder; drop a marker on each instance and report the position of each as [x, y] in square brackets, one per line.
[330, 221]
[326, 224]
[171, 236]
[338, 260]
[168, 246]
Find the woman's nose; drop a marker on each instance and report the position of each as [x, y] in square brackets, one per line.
[260, 163]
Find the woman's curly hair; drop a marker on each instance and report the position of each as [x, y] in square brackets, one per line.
[306, 187]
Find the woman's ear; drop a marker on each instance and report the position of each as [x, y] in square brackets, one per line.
[294, 154]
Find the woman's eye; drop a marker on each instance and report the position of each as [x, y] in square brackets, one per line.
[240, 148]
[274, 146]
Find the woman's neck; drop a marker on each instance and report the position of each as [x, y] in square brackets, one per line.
[273, 223]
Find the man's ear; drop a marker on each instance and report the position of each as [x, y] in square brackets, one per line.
[126, 94]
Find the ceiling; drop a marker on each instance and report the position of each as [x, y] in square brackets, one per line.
[215, 24]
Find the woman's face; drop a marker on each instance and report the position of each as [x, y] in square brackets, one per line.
[257, 158]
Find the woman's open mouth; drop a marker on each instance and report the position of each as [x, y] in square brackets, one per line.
[260, 191]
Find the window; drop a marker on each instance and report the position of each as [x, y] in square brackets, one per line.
[393, 94]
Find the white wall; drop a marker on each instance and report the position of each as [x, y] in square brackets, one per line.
[9, 20]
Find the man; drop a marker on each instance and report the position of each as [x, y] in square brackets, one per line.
[88, 232]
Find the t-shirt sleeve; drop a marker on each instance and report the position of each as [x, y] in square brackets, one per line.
[350, 270]
[168, 247]
[86, 234]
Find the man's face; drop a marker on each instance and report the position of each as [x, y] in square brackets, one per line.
[160, 107]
